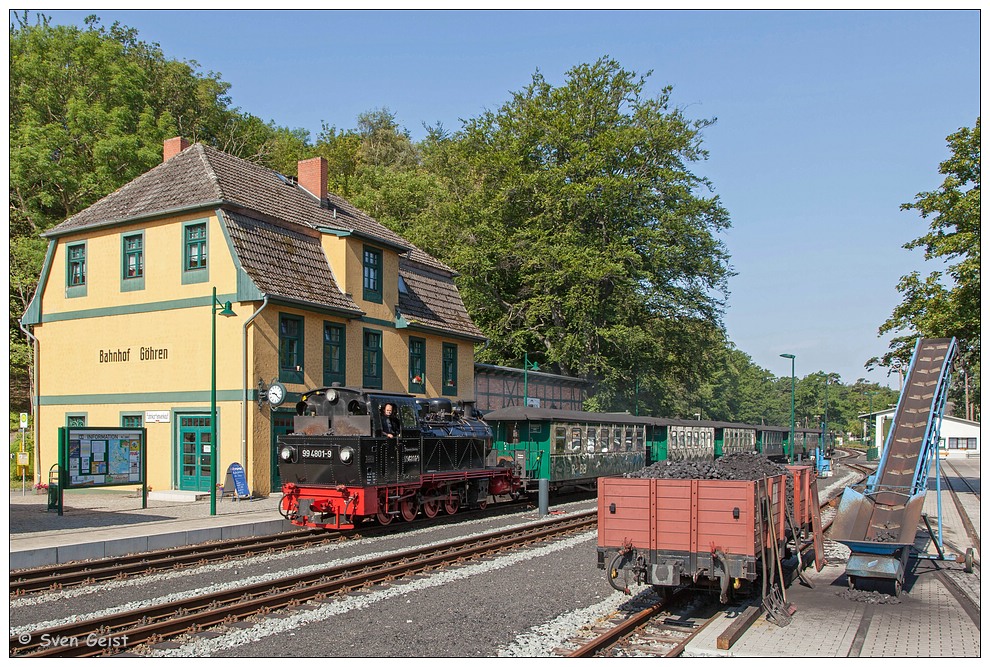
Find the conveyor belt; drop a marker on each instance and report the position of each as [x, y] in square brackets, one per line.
[893, 499]
[903, 470]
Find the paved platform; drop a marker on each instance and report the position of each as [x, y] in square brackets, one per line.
[925, 621]
[104, 523]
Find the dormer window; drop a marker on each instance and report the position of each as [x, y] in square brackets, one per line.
[402, 286]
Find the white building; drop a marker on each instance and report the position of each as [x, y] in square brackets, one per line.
[957, 437]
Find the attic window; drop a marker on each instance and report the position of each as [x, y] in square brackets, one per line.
[402, 286]
[286, 180]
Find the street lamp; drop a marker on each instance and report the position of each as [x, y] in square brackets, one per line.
[527, 367]
[825, 418]
[225, 311]
[791, 357]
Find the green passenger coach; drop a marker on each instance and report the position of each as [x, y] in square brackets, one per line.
[571, 448]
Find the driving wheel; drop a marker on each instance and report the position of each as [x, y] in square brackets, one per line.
[408, 508]
[452, 503]
[431, 508]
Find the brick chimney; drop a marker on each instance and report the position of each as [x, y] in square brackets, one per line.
[313, 176]
[173, 147]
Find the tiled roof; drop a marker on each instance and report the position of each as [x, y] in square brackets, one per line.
[432, 300]
[183, 181]
[201, 175]
[286, 263]
[280, 261]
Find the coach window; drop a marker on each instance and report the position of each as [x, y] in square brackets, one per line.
[592, 438]
[576, 438]
[559, 439]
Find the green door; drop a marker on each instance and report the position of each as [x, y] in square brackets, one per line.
[195, 452]
[281, 424]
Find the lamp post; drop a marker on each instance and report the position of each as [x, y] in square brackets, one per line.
[526, 368]
[226, 311]
[791, 357]
[825, 446]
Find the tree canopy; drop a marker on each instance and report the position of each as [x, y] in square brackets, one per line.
[89, 110]
[583, 238]
[946, 303]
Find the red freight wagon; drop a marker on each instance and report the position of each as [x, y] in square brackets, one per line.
[678, 532]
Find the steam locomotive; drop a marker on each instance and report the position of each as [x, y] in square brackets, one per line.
[339, 466]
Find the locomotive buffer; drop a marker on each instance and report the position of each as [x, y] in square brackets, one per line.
[879, 524]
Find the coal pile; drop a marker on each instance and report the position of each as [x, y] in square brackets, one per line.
[745, 466]
[887, 533]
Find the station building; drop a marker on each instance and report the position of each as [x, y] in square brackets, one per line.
[321, 293]
[957, 437]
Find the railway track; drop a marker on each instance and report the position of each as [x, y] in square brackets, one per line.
[659, 630]
[651, 632]
[79, 573]
[132, 630]
[965, 555]
[57, 577]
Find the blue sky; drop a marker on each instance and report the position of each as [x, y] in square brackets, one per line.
[827, 121]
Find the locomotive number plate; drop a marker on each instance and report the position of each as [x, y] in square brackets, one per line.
[317, 453]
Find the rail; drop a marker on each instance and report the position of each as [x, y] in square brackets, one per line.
[150, 625]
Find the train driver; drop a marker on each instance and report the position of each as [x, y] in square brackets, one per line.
[390, 422]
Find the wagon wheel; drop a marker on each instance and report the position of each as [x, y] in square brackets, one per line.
[452, 503]
[384, 518]
[409, 508]
[431, 507]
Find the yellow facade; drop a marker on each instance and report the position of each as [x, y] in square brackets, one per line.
[114, 352]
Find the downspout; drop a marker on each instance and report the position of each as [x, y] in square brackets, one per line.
[244, 403]
[35, 400]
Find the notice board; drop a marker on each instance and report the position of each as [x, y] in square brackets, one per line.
[103, 456]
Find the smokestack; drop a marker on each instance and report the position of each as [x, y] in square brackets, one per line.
[313, 177]
[173, 147]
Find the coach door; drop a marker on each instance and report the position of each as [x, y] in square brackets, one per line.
[195, 450]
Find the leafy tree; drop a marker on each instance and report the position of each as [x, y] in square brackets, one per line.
[89, 110]
[582, 237]
[945, 304]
